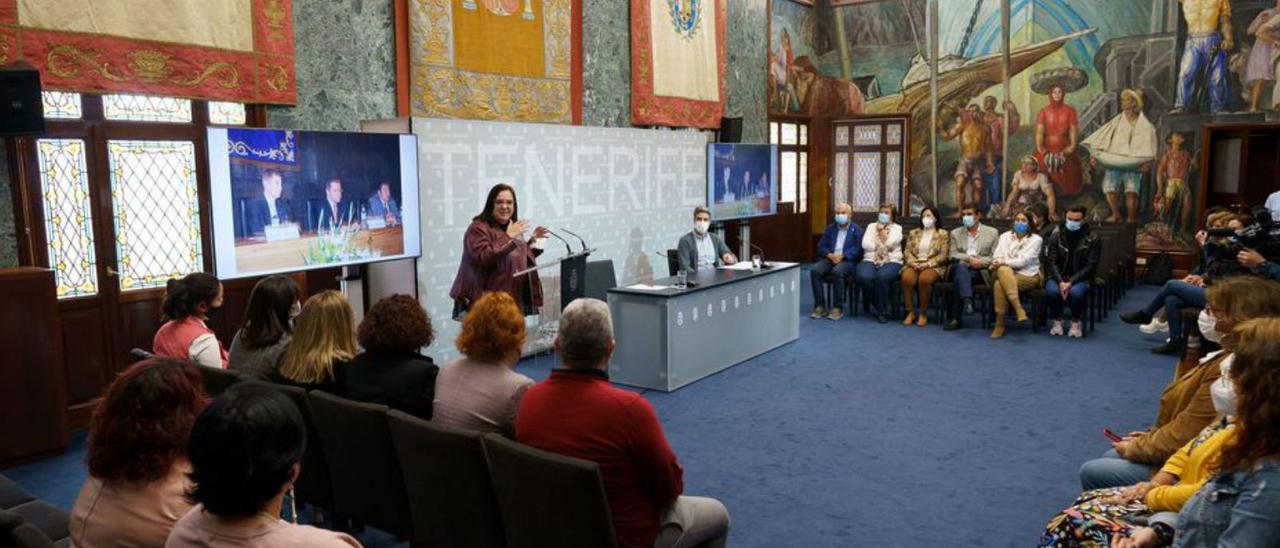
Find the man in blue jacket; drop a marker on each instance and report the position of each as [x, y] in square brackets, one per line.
[839, 251]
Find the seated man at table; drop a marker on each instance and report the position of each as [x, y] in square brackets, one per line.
[701, 248]
[384, 206]
[577, 413]
[271, 209]
[336, 212]
[972, 247]
[839, 251]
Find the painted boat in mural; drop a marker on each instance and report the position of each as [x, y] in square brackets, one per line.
[959, 81]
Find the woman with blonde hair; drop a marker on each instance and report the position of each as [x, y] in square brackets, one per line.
[1186, 404]
[323, 341]
[480, 391]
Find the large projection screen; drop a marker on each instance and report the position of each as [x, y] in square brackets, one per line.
[629, 192]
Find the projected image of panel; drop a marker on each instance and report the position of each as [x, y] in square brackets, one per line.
[741, 180]
[294, 200]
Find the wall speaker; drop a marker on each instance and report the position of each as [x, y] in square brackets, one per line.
[21, 110]
[731, 130]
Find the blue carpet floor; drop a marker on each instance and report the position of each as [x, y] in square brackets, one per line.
[862, 434]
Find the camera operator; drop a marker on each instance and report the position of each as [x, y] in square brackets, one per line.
[1259, 245]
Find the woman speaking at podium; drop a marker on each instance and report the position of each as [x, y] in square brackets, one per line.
[494, 249]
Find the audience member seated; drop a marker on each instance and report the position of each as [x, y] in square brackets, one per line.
[881, 261]
[267, 329]
[391, 370]
[1219, 262]
[323, 342]
[839, 251]
[480, 391]
[702, 249]
[1215, 217]
[246, 453]
[576, 412]
[1016, 265]
[137, 456]
[184, 335]
[926, 263]
[973, 246]
[1072, 253]
[1240, 504]
[1186, 406]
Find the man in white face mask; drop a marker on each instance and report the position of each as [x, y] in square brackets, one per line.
[700, 248]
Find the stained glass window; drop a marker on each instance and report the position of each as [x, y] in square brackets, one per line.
[867, 135]
[787, 170]
[804, 134]
[773, 133]
[803, 184]
[790, 135]
[866, 181]
[893, 177]
[157, 214]
[842, 136]
[61, 104]
[894, 134]
[842, 176]
[227, 114]
[146, 108]
[68, 224]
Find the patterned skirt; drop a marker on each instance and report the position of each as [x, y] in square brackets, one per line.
[1090, 522]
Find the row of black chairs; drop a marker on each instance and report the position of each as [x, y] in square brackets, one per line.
[1115, 276]
[436, 486]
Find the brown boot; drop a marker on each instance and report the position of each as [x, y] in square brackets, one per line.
[998, 332]
[911, 318]
[1019, 313]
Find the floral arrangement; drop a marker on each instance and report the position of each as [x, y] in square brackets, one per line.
[340, 242]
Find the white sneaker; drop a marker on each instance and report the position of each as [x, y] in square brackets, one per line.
[1155, 326]
[1056, 330]
[1076, 332]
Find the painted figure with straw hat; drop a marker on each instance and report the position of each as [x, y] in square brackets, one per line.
[1125, 147]
[1058, 129]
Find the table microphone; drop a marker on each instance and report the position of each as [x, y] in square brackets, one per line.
[763, 265]
[572, 233]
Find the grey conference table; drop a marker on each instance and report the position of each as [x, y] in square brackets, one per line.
[668, 338]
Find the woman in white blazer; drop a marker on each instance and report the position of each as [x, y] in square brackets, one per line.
[1017, 268]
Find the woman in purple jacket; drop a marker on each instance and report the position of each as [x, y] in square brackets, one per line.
[494, 248]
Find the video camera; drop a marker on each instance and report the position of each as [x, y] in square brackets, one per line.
[1262, 236]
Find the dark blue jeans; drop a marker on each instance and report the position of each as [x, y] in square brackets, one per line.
[963, 277]
[1075, 299]
[1174, 296]
[822, 271]
[877, 281]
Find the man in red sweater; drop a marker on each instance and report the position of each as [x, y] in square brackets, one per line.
[576, 412]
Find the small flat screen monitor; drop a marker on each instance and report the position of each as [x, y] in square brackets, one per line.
[284, 201]
[741, 180]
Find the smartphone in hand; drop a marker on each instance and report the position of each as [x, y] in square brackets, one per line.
[1111, 435]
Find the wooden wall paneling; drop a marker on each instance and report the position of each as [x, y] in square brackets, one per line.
[33, 389]
[87, 347]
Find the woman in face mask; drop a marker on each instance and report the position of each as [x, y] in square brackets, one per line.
[1186, 406]
[1017, 268]
[1240, 504]
[184, 335]
[926, 259]
[881, 260]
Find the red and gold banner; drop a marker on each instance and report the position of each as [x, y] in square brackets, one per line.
[229, 50]
[678, 62]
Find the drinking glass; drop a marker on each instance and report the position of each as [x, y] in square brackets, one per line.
[757, 262]
[682, 279]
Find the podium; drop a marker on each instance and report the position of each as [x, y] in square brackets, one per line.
[573, 274]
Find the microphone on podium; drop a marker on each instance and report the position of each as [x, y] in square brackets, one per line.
[567, 248]
[575, 235]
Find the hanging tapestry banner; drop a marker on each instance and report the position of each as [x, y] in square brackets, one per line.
[678, 62]
[230, 50]
[506, 60]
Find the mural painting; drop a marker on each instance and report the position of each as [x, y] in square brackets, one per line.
[1105, 103]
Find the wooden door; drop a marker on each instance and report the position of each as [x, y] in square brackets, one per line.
[869, 164]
